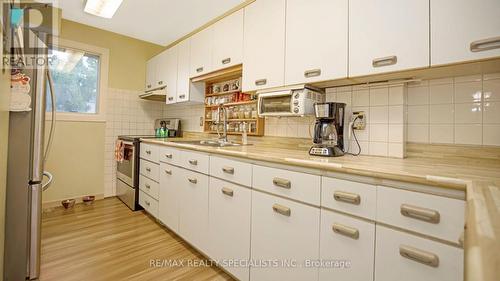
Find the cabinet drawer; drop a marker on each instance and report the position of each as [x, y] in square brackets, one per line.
[294, 185]
[351, 197]
[283, 230]
[150, 152]
[349, 239]
[195, 161]
[149, 186]
[148, 203]
[432, 215]
[231, 170]
[170, 155]
[170, 195]
[150, 170]
[400, 254]
[229, 227]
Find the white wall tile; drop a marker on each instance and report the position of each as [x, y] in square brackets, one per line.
[396, 114]
[468, 134]
[379, 96]
[491, 113]
[379, 114]
[396, 150]
[396, 133]
[396, 95]
[379, 132]
[491, 90]
[448, 80]
[468, 78]
[491, 134]
[418, 133]
[363, 135]
[379, 148]
[344, 97]
[441, 114]
[361, 98]
[468, 92]
[418, 114]
[468, 113]
[418, 95]
[442, 133]
[441, 93]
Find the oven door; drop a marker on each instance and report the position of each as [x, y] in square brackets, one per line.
[276, 104]
[125, 169]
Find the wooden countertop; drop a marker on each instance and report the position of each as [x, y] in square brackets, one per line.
[476, 171]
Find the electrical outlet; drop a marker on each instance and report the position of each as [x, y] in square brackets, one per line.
[201, 121]
[360, 123]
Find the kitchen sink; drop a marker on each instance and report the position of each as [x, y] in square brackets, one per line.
[212, 143]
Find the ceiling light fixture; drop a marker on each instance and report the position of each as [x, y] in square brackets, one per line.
[102, 8]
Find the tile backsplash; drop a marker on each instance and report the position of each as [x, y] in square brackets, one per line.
[455, 110]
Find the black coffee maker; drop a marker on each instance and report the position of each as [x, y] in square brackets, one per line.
[328, 129]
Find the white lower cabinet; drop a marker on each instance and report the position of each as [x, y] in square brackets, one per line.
[285, 234]
[229, 227]
[193, 208]
[148, 203]
[347, 248]
[169, 196]
[402, 256]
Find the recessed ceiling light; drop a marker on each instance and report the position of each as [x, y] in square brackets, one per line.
[102, 8]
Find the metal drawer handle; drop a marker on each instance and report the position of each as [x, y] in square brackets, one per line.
[260, 82]
[160, 82]
[199, 69]
[312, 73]
[147, 186]
[227, 191]
[168, 172]
[169, 156]
[420, 256]
[193, 162]
[228, 170]
[282, 183]
[485, 44]
[347, 197]
[182, 96]
[345, 230]
[170, 98]
[148, 151]
[385, 61]
[148, 169]
[193, 180]
[226, 60]
[147, 202]
[419, 213]
[282, 210]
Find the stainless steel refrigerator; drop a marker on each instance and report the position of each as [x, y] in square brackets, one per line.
[25, 173]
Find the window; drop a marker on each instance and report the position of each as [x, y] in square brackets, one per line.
[79, 81]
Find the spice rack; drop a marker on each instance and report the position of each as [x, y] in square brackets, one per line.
[241, 107]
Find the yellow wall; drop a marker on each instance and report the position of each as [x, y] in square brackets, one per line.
[77, 156]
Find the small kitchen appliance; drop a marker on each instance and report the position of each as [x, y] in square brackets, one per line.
[328, 129]
[289, 101]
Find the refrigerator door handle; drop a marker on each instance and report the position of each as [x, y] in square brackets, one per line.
[50, 177]
[35, 231]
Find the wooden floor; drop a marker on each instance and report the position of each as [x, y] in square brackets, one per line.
[107, 241]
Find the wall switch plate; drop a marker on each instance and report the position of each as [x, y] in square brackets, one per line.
[360, 123]
[201, 121]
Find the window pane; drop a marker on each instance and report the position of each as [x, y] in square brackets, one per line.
[76, 81]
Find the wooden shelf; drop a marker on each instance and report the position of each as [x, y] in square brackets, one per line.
[232, 103]
[223, 93]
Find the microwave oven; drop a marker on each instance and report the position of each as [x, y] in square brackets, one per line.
[289, 101]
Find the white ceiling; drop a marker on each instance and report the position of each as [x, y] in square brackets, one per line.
[156, 21]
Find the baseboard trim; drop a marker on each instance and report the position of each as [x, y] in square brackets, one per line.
[78, 199]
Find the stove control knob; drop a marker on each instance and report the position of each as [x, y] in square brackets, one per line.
[296, 96]
[296, 103]
[296, 110]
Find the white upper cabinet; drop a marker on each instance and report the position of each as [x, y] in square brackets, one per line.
[183, 49]
[316, 40]
[228, 41]
[264, 45]
[151, 73]
[464, 30]
[201, 52]
[388, 35]
[167, 73]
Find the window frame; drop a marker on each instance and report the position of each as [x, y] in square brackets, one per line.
[103, 54]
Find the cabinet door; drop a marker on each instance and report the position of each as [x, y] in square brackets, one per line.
[344, 238]
[284, 231]
[229, 228]
[402, 256]
[151, 74]
[183, 49]
[309, 61]
[463, 30]
[228, 41]
[201, 52]
[264, 45]
[169, 196]
[167, 73]
[387, 35]
[193, 211]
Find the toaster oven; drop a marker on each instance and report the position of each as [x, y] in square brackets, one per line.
[290, 101]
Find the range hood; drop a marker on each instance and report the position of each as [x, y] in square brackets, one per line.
[155, 95]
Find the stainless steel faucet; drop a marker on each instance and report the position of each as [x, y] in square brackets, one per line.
[222, 109]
